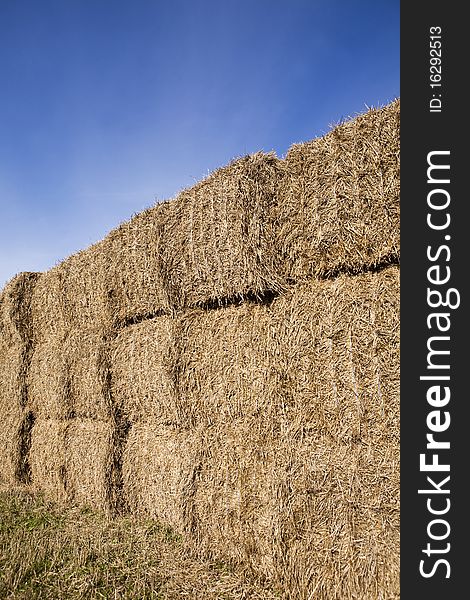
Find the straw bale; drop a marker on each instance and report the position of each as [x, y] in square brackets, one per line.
[134, 278]
[159, 468]
[49, 378]
[69, 375]
[228, 365]
[319, 517]
[340, 354]
[15, 308]
[338, 203]
[217, 237]
[87, 359]
[49, 448]
[142, 358]
[235, 511]
[338, 510]
[91, 463]
[15, 439]
[73, 294]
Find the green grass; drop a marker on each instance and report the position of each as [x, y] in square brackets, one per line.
[48, 552]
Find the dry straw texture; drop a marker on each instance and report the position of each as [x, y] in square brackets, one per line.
[318, 517]
[338, 203]
[73, 294]
[15, 308]
[47, 456]
[142, 358]
[134, 278]
[74, 460]
[340, 348]
[216, 240]
[228, 365]
[90, 464]
[159, 468]
[69, 375]
[48, 379]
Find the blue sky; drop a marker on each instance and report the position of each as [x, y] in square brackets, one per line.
[107, 106]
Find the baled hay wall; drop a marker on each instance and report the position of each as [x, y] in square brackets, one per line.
[134, 277]
[228, 365]
[73, 294]
[159, 469]
[15, 308]
[87, 352]
[217, 240]
[338, 204]
[69, 375]
[142, 359]
[47, 456]
[73, 461]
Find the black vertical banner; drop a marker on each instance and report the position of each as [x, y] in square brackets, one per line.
[435, 434]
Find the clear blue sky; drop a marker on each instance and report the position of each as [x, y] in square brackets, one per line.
[109, 105]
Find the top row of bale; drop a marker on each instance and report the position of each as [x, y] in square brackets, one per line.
[251, 228]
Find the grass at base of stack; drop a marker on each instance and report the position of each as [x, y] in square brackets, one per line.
[338, 203]
[216, 237]
[159, 468]
[50, 551]
[142, 358]
[15, 308]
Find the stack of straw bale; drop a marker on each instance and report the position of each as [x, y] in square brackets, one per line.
[69, 384]
[16, 346]
[338, 207]
[301, 486]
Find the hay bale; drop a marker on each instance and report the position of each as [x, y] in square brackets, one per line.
[15, 440]
[142, 359]
[87, 359]
[338, 203]
[318, 517]
[49, 379]
[14, 363]
[338, 511]
[217, 238]
[73, 294]
[134, 278]
[235, 512]
[339, 343]
[69, 375]
[15, 308]
[228, 365]
[49, 448]
[91, 463]
[158, 468]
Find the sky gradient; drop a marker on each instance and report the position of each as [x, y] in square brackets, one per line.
[107, 106]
